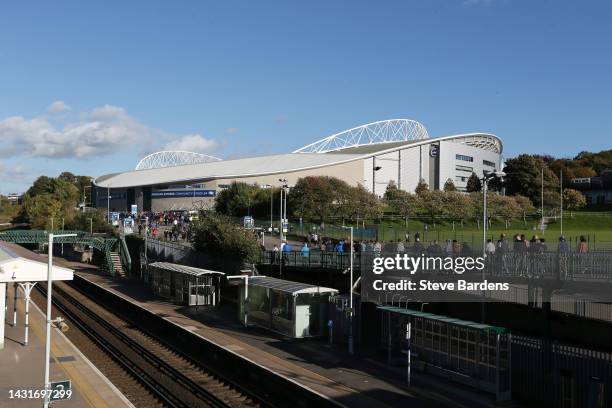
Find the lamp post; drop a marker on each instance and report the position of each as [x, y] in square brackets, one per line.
[108, 204]
[271, 207]
[485, 180]
[85, 197]
[350, 336]
[561, 199]
[146, 248]
[283, 207]
[49, 321]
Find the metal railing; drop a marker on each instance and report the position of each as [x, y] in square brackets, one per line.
[592, 266]
[101, 243]
[124, 253]
[311, 259]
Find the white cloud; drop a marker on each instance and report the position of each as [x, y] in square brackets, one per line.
[193, 143]
[232, 130]
[99, 132]
[58, 107]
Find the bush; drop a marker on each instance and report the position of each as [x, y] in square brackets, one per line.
[217, 235]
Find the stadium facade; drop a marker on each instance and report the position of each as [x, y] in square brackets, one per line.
[373, 155]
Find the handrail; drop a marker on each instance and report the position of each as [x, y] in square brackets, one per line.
[126, 260]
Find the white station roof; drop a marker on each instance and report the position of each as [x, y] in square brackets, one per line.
[17, 264]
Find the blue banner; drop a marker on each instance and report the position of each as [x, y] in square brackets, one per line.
[182, 193]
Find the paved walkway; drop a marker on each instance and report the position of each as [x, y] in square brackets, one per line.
[22, 367]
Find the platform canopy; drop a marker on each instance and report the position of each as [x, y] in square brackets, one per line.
[286, 286]
[18, 264]
[187, 270]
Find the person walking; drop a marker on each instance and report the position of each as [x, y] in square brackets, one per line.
[562, 247]
[583, 246]
[490, 248]
[275, 252]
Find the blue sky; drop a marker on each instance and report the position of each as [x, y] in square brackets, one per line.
[90, 87]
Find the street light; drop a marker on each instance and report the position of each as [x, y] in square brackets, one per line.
[350, 339]
[85, 197]
[108, 197]
[266, 186]
[58, 321]
[485, 180]
[283, 207]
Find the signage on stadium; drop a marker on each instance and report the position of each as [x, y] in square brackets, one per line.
[182, 193]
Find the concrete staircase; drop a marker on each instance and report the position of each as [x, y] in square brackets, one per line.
[117, 264]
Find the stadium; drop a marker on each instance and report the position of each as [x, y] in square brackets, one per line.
[373, 155]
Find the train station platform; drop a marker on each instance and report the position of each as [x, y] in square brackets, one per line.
[330, 371]
[22, 367]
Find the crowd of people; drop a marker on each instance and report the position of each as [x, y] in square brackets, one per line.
[450, 247]
[168, 225]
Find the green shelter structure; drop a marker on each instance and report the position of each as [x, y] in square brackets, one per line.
[472, 353]
[185, 285]
[290, 308]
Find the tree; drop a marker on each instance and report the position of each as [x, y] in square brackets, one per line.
[402, 202]
[473, 184]
[217, 235]
[456, 206]
[421, 187]
[523, 176]
[524, 203]
[503, 207]
[233, 200]
[81, 221]
[432, 203]
[39, 210]
[362, 204]
[319, 197]
[449, 185]
[573, 199]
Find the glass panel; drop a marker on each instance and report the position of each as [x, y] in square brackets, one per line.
[282, 312]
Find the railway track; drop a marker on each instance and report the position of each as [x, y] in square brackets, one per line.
[154, 374]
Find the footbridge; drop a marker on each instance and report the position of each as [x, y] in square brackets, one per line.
[113, 249]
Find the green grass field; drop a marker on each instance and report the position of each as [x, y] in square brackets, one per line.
[596, 226]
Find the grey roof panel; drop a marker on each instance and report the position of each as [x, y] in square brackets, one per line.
[188, 270]
[286, 286]
[444, 319]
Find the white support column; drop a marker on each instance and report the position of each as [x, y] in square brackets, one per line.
[14, 304]
[27, 290]
[2, 313]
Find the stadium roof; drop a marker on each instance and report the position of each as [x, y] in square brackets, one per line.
[280, 163]
[251, 166]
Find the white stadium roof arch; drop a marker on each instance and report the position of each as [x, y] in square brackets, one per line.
[172, 158]
[384, 131]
